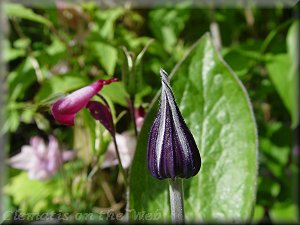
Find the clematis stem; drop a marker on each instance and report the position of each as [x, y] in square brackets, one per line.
[119, 160]
[176, 201]
[131, 108]
[113, 134]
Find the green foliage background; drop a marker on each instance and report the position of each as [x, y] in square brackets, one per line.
[49, 54]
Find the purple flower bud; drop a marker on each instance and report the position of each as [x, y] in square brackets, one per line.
[65, 109]
[172, 151]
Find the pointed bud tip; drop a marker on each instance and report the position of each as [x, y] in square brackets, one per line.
[164, 75]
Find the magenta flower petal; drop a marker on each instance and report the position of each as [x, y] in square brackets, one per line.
[65, 109]
[63, 118]
[102, 113]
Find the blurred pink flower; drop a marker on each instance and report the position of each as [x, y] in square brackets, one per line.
[126, 142]
[64, 109]
[296, 150]
[41, 161]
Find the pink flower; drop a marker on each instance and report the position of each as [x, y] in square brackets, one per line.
[64, 110]
[41, 161]
[126, 143]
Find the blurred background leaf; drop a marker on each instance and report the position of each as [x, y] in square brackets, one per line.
[283, 72]
[19, 11]
[51, 51]
[167, 24]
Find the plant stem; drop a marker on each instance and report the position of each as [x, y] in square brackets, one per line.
[176, 201]
[131, 108]
[116, 145]
[119, 159]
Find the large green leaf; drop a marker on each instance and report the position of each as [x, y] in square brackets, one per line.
[217, 110]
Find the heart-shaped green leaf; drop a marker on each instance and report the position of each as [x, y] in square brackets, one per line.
[217, 110]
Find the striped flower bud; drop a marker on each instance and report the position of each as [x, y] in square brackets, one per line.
[172, 151]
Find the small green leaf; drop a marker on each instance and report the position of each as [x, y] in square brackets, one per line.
[12, 120]
[22, 43]
[107, 21]
[27, 115]
[56, 47]
[283, 71]
[116, 93]
[19, 11]
[285, 213]
[11, 53]
[21, 79]
[106, 54]
[284, 78]
[293, 52]
[41, 122]
[258, 214]
[168, 22]
[275, 147]
[217, 110]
